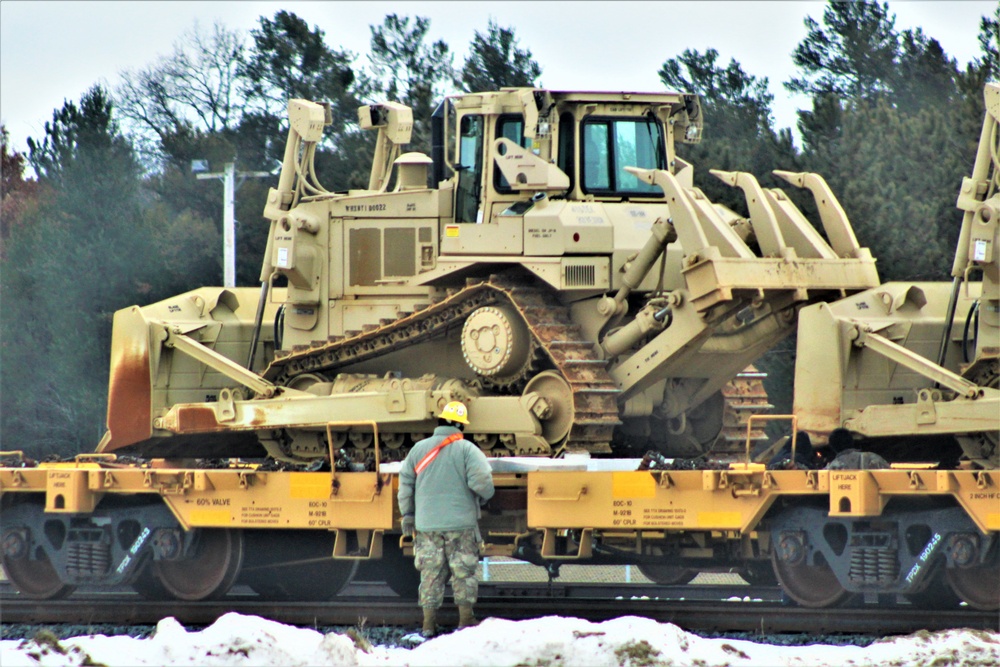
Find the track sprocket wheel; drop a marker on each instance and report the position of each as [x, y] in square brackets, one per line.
[498, 346]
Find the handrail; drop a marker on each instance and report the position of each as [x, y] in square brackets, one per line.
[333, 465]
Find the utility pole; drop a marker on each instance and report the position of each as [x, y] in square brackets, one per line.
[229, 188]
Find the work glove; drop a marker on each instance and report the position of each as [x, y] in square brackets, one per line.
[409, 525]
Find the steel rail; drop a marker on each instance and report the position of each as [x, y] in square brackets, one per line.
[698, 608]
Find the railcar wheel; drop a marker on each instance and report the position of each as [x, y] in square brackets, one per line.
[294, 565]
[936, 595]
[148, 586]
[36, 579]
[309, 582]
[667, 575]
[396, 570]
[759, 573]
[809, 585]
[210, 570]
[978, 586]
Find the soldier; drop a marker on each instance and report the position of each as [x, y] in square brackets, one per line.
[443, 482]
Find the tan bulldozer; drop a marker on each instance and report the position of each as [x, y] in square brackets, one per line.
[913, 369]
[551, 264]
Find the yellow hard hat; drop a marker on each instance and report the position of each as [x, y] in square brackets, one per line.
[456, 412]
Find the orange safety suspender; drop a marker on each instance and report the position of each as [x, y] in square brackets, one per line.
[431, 455]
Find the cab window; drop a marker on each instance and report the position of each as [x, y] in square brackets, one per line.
[509, 127]
[608, 145]
[470, 168]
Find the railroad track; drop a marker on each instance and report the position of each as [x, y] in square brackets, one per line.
[711, 608]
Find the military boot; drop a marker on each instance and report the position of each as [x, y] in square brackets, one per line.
[465, 617]
[430, 623]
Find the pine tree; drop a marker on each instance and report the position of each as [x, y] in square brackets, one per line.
[407, 69]
[495, 62]
[989, 43]
[853, 55]
[288, 60]
[739, 132]
[892, 130]
[88, 246]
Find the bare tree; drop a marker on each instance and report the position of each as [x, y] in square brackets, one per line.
[196, 87]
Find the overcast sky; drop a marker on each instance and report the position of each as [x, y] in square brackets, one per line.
[52, 51]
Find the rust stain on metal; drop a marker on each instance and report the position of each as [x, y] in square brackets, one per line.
[129, 392]
[197, 419]
[259, 417]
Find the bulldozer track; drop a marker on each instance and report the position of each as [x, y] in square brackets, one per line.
[594, 404]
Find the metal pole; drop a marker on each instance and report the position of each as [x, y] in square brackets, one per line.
[229, 226]
[229, 187]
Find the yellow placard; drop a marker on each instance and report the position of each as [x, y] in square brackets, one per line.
[719, 520]
[993, 522]
[451, 231]
[632, 485]
[313, 485]
[211, 518]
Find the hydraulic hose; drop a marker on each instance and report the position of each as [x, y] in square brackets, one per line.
[258, 321]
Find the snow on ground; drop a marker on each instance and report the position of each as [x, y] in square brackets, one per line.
[551, 641]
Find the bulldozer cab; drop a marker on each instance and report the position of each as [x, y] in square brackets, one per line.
[511, 150]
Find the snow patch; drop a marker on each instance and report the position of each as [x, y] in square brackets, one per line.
[550, 641]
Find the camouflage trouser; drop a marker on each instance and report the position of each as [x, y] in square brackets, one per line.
[434, 552]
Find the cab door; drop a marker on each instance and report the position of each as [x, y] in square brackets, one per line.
[474, 232]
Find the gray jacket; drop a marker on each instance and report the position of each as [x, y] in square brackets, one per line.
[447, 494]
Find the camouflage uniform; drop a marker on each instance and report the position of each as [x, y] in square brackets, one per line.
[445, 498]
[434, 552]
